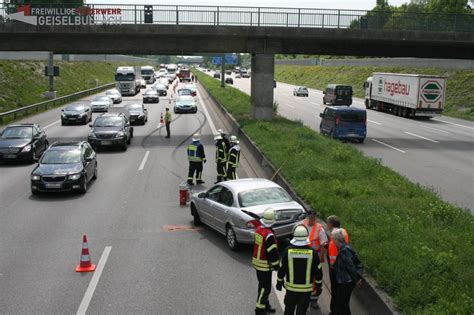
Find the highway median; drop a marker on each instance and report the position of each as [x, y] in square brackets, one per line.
[417, 247]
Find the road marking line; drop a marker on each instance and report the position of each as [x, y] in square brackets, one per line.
[388, 146]
[374, 122]
[142, 164]
[435, 129]
[94, 281]
[421, 137]
[209, 119]
[52, 124]
[447, 122]
[279, 294]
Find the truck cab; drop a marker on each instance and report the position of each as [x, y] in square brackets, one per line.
[148, 74]
[128, 83]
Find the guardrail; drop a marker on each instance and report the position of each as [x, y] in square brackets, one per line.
[22, 111]
[262, 16]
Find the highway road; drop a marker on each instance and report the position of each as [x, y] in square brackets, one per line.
[437, 153]
[152, 260]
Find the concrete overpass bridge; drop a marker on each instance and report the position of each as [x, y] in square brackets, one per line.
[263, 32]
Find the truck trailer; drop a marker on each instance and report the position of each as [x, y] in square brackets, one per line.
[406, 95]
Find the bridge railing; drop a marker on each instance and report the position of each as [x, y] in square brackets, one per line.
[274, 17]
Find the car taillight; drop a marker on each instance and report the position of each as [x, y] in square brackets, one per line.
[253, 224]
[337, 120]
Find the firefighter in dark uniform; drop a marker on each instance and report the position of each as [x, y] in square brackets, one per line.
[265, 259]
[225, 139]
[299, 268]
[196, 157]
[221, 158]
[233, 158]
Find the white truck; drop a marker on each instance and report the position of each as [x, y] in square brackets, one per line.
[128, 80]
[148, 74]
[406, 95]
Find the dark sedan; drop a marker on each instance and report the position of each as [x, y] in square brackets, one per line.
[76, 113]
[111, 130]
[151, 96]
[22, 142]
[64, 167]
[137, 114]
[160, 88]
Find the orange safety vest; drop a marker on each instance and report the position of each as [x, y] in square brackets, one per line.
[332, 249]
[314, 235]
[259, 258]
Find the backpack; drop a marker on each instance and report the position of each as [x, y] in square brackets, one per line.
[356, 261]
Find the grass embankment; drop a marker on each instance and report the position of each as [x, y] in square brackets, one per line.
[459, 97]
[419, 248]
[23, 82]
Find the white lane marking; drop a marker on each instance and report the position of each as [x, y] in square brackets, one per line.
[209, 119]
[279, 294]
[145, 158]
[447, 122]
[52, 124]
[94, 281]
[374, 122]
[388, 146]
[435, 129]
[421, 137]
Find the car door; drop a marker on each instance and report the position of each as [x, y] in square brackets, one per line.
[88, 158]
[38, 141]
[221, 210]
[206, 211]
[324, 124]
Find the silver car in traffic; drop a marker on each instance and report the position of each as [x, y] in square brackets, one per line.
[234, 208]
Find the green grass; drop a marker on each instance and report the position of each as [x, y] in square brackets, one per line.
[23, 82]
[419, 248]
[460, 86]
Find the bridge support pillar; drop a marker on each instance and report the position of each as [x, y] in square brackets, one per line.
[261, 86]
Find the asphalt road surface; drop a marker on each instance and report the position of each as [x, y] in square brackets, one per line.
[437, 153]
[151, 260]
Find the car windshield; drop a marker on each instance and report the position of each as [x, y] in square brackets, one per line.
[147, 72]
[184, 92]
[344, 90]
[263, 196]
[101, 99]
[352, 117]
[159, 87]
[74, 108]
[108, 122]
[112, 92]
[61, 157]
[20, 132]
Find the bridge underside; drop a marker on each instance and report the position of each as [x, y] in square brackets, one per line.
[184, 39]
[261, 42]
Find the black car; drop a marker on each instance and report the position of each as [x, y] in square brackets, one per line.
[76, 113]
[217, 75]
[151, 96]
[111, 129]
[229, 80]
[25, 142]
[64, 167]
[137, 114]
[160, 88]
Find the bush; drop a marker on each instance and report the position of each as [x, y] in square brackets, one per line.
[418, 247]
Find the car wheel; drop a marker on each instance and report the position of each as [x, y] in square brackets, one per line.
[34, 192]
[33, 157]
[196, 219]
[361, 140]
[331, 134]
[83, 188]
[324, 102]
[96, 171]
[124, 146]
[63, 122]
[231, 238]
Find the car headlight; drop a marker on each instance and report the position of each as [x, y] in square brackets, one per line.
[26, 149]
[91, 134]
[35, 177]
[120, 134]
[74, 176]
[140, 116]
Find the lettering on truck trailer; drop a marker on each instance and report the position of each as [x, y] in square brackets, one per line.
[397, 88]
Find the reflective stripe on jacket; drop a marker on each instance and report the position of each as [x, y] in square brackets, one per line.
[332, 249]
[221, 151]
[265, 250]
[196, 152]
[234, 156]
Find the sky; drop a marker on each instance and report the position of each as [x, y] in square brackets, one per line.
[323, 4]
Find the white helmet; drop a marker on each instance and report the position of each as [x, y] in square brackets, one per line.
[222, 132]
[268, 218]
[217, 137]
[233, 139]
[300, 236]
[196, 137]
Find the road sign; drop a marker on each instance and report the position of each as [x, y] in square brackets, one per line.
[230, 59]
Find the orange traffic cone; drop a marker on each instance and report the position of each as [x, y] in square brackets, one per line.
[86, 264]
[161, 119]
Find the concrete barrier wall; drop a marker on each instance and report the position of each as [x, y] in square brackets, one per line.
[462, 64]
[43, 55]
